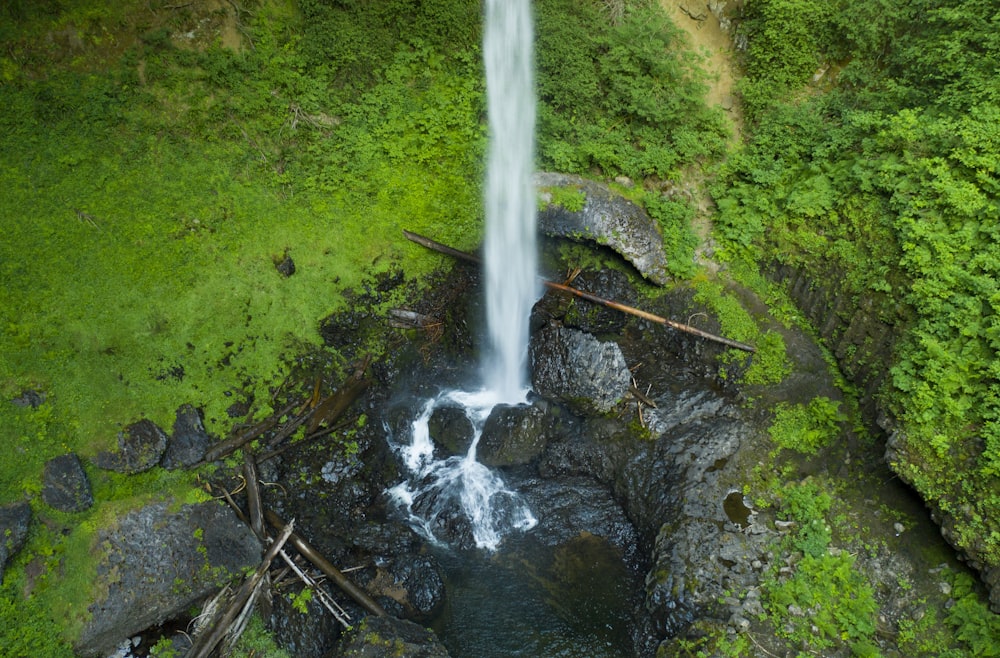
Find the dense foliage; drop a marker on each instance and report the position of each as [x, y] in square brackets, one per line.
[158, 160]
[884, 172]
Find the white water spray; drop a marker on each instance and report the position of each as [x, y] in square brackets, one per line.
[439, 490]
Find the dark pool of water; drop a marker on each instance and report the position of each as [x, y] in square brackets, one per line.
[528, 599]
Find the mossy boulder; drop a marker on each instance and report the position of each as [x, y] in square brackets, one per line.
[154, 563]
[606, 218]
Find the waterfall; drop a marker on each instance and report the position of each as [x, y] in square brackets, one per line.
[510, 252]
[438, 491]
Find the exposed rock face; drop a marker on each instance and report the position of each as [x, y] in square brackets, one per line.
[609, 220]
[140, 447]
[65, 485]
[862, 336]
[154, 564]
[380, 637]
[189, 441]
[575, 368]
[896, 452]
[14, 521]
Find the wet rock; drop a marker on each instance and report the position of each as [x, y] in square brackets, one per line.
[413, 582]
[141, 445]
[577, 369]
[189, 441]
[65, 486]
[309, 634]
[513, 434]
[608, 219]
[451, 429]
[154, 563]
[595, 318]
[568, 506]
[14, 522]
[380, 637]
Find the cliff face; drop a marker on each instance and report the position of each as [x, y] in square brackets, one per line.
[862, 331]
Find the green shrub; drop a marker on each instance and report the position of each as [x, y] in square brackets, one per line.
[806, 428]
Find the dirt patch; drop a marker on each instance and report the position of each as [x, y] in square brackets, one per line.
[707, 27]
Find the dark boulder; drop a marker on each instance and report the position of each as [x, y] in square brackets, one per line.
[65, 486]
[381, 637]
[513, 434]
[304, 633]
[575, 368]
[189, 441]
[14, 522]
[154, 564]
[451, 430]
[140, 447]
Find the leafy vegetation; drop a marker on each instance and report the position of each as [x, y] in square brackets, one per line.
[808, 427]
[158, 161]
[884, 177]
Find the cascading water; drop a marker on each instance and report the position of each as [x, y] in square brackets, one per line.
[510, 258]
[438, 489]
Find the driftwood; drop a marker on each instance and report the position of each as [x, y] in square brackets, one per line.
[444, 249]
[206, 643]
[333, 573]
[321, 595]
[255, 510]
[331, 407]
[232, 444]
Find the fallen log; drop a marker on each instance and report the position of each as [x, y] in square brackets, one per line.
[232, 444]
[331, 407]
[206, 643]
[444, 249]
[333, 573]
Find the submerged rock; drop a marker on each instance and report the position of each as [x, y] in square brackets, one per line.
[154, 563]
[65, 486]
[608, 219]
[140, 447]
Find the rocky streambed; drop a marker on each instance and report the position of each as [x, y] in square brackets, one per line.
[662, 520]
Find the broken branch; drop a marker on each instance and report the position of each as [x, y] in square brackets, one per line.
[332, 572]
[444, 249]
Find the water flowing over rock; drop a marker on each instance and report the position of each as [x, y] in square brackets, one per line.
[65, 485]
[608, 219]
[155, 563]
[577, 369]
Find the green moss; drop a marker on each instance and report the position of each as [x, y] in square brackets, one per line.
[569, 197]
[770, 364]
